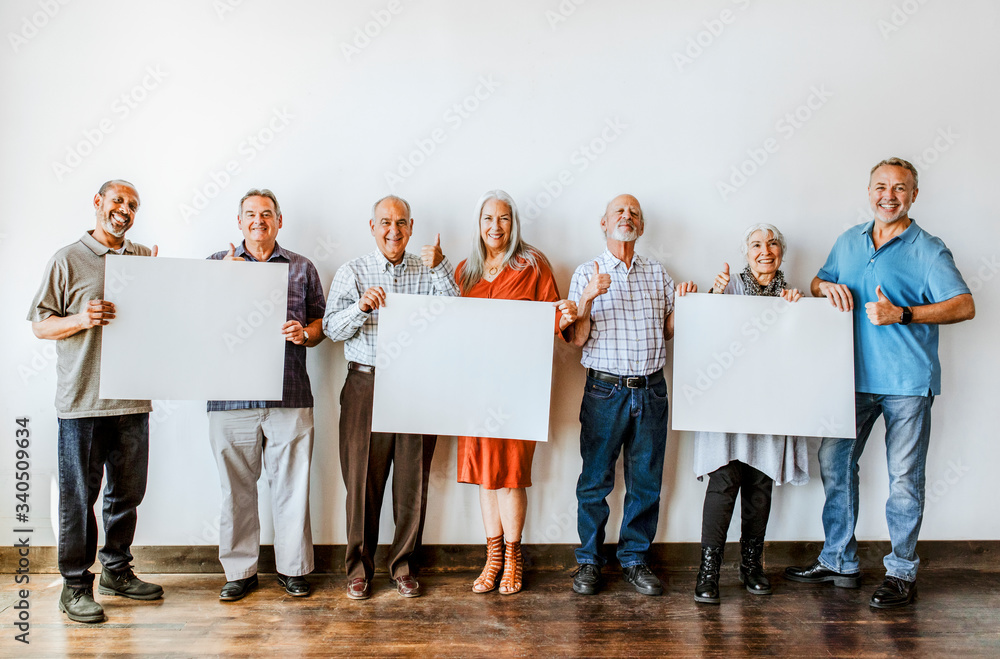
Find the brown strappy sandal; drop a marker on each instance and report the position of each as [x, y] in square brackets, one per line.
[487, 580]
[514, 566]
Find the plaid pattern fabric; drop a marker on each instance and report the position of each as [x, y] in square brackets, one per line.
[305, 303]
[344, 320]
[627, 323]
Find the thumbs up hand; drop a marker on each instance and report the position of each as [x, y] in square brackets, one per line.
[598, 285]
[882, 311]
[721, 280]
[231, 254]
[431, 255]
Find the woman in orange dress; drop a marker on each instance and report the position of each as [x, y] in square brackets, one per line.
[503, 266]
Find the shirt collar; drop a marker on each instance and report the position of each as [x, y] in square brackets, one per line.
[611, 261]
[385, 264]
[909, 234]
[277, 253]
[100, 249]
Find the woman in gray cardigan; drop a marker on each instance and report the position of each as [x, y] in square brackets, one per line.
[745, 464]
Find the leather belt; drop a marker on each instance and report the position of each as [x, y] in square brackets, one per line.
[629, 381]
[361, 368]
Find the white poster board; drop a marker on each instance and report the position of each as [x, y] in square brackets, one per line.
[193, 329]
[763, 365]
[464, 366]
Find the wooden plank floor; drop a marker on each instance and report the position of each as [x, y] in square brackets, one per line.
[956, 615]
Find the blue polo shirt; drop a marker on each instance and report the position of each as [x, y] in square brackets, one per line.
[913, 269]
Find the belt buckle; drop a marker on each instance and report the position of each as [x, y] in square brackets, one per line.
[633, 382]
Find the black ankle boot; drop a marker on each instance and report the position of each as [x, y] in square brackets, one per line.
[752, 567]
[707, 588]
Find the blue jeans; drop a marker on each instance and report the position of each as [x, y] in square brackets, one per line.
[87, 447]
[612, 417]
[907, 436]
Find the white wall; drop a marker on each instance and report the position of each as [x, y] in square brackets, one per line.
[895, 77]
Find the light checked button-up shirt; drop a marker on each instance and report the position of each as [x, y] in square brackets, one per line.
[344, 319]
[627, 323]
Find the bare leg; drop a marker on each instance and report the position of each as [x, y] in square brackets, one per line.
[492, 513]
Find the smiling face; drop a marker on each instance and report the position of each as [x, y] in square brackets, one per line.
[891, 192]
[495, 226]
[258, 222]
[115, 211]
[622, 219]
[391, 227]
[763, 253]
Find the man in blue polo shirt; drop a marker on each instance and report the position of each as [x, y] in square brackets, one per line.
[907, 281]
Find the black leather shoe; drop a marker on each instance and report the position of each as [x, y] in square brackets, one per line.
[894, 593]
[126, 584]
[645, 582]
[295, 586]
[752, 567]
[706, 589]
[237, 590]
[816, 573]
[587, 579]
[79, 605]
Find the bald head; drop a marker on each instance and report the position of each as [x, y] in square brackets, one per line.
[622, 219]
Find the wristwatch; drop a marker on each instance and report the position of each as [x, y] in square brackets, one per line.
[906, 317]
[305, 335]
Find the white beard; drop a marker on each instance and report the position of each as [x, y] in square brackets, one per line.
[625, 235]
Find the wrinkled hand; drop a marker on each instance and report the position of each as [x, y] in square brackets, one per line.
[685, 287]
[98, 312]
[598, 284]
[883, 312]
[431, 255]
[294, 332]
[373, 298]
[721, 279]
[791, 295]
[231, 254]
[568, 310]
[838, 294]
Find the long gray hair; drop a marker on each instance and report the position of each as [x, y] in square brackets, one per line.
[519, 254]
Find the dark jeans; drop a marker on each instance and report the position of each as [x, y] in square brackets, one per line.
[754, 488]
[88, 447]
[613, 417]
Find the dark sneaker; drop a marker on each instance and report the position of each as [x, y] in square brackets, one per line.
[894, 593]
[587, 579]
[126, 584]
[79, 605]
[645, 582]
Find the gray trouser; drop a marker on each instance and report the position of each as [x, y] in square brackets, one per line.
[281, 439]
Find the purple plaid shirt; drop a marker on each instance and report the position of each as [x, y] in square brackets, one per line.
[305, 302]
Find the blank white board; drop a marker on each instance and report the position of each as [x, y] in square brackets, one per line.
[464, 366]
[193, 329]
[763, 365]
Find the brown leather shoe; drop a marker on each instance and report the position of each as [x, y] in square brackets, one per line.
[407, 586]
[359, 589]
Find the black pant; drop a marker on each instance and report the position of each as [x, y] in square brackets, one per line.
[755, 503]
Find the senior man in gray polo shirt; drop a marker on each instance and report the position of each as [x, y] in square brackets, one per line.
[95, 434]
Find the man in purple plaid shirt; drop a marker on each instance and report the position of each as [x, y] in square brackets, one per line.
[626, 304]
[278, 434]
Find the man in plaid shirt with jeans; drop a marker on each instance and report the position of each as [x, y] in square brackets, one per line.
[626, 304]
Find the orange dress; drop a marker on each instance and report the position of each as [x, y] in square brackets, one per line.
[488, 461]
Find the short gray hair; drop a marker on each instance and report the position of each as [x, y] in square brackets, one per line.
[392, 197]
[896, 162]
[115, 181]
[261, 193]
[762, 226]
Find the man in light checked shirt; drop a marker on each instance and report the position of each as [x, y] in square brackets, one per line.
[625, 319]
[357, 292]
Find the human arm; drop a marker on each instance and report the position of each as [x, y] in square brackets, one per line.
[344, 313]
[597, 284]
[97, 313]
[953, 310]
[838, 294]
[443, 279]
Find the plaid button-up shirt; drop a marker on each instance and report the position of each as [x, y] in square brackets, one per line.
[305, 303]
[344, 319]
[627, 323]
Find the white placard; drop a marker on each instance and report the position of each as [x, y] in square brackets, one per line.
[193, 329]
[464, 366]
[762, 365]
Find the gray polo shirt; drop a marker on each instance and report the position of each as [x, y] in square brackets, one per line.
[73, 277]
